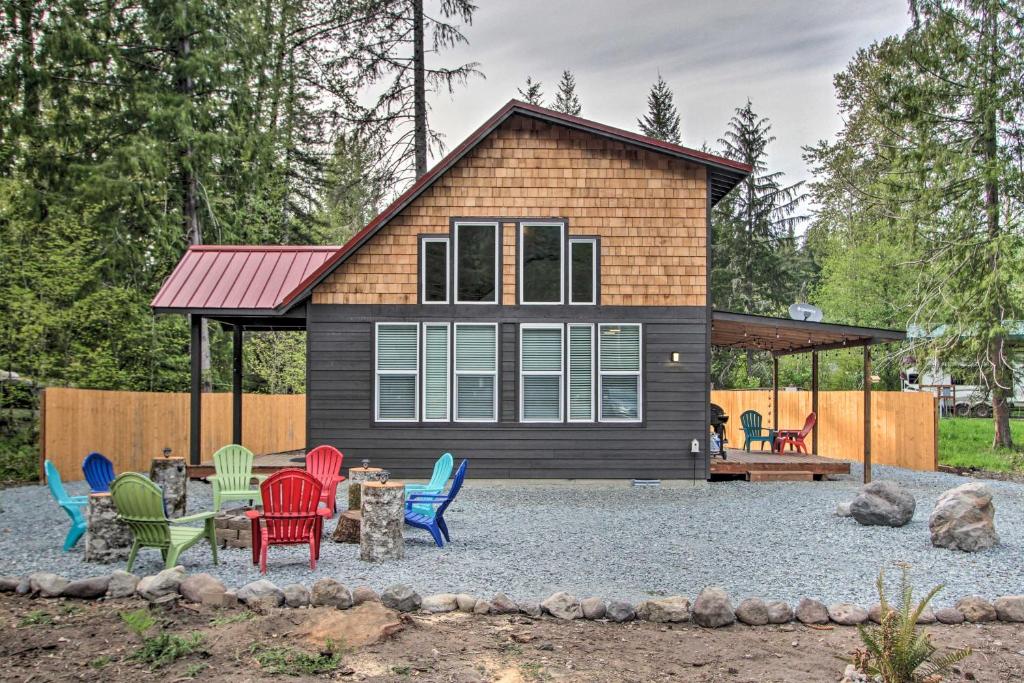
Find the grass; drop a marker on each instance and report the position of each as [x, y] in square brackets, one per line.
[164, 648]
[100, 662]
[232, 618]
[289, 661]
[37, 618]
[967, 442]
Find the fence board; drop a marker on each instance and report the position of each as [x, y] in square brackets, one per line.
[903, 431]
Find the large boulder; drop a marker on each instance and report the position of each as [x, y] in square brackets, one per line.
[441, 602]
[361, 594]
[779, 612]
[964, 519]
[665, 610]
[330, 593]
[46, 584]
[9, 584]
[811, 611]
[563, 606]
[401, 597]
[593, 608]
[296, 595]
[976, 609]
[753, 612]
[949, 615]
[620, 611]
[196, 586]
[502, 604]
[847, 614]
[1010, 608]
[465, 601]
[122, 584]
[261, 594]
[531, 608]
[883, 503]
[713, 608]
[87, 589]
[161, 584]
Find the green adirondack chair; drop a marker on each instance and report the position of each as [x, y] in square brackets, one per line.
[753, 431]
[140, 504]
[234, 476]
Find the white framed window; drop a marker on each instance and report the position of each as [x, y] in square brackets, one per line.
[582, 270]
[581, 372]
[541, 262]
[434, 270]
[619, 379]
[396, 372]
[477, 262]
[540, 372]
[436, 373]
[476, 372]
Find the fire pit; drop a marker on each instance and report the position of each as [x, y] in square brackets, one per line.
[233, 528]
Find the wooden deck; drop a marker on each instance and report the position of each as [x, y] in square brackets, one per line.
[767, 466]
[262, 464]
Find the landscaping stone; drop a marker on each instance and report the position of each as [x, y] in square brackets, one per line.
[224, 600]
[964, 519]
[440, 603]
[122, 584]
[24, 586]
[779, 612]
[811, 611]
[465, 602]
[593, 608]
[482, 607]
[161, 584]
[883, 503]
[949, 615]
[9, 584]
[753, 612]
[843, 510]
[847, 614]
[401, 597]
[195, 587]
[665, 610]
[87, 589]
[361, 594]
[976, 609]
[296, 595]
[532, 609]
[330, 593]
[47, 584]
[1010, 608]
[927, 616]
[875, 613]
[713, 608]
[502, 604]
[620, 611]
[852, 675]
[563, 606]
[261, 594]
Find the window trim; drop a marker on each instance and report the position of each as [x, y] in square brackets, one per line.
[424, 239]
[476, 373]
[378, 372]
[521, 283]
[594, 269]
[455, 261]
[639, 373]
[450, 367]
[568, 373]
[542, 373]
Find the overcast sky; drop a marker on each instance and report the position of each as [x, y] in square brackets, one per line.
[782, 54]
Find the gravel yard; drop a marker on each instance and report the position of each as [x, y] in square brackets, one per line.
[529, 539]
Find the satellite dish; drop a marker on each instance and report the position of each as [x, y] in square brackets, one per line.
[806, 312]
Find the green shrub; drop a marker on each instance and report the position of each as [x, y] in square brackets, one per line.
[165, 648]
[138, 621]
[289, 661]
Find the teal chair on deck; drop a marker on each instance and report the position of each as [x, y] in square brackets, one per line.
[73, 505]
[753, 431]
[442, 470]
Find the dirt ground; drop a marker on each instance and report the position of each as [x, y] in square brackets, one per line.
[56, 640]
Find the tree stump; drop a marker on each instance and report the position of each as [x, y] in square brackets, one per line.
[380, 535]
[107, 539]
[169, 475]
[349, 525]
[356, 477]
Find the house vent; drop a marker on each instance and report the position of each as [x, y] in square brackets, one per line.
[647, 482]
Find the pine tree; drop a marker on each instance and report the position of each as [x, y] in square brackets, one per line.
[566, 100]
[533, 93]
[662, 119]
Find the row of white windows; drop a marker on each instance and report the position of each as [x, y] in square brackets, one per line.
[565, 374]
[541, 269]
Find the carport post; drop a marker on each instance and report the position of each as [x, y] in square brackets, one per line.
[775, 391]
[814, 401]
[867, 413]
[236, 387]
[196, 397]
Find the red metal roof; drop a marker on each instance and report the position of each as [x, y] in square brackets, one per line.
[249, 278]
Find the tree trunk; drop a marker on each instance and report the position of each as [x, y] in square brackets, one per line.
[419, 89]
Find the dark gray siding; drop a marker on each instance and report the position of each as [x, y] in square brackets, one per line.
[340, 399]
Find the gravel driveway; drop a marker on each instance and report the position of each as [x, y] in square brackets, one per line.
[529, 539]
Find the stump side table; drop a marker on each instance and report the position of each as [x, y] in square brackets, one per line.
[380, 534]
[107, 538]
[356, 477]
[170, 475]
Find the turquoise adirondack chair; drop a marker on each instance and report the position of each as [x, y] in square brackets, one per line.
[73, 505]
[753, 432]
[233, 464]
[442, 471]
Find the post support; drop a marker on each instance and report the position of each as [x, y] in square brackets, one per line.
[775, 392]
[867, 414]
[196, 413]
[814, 401]
[236, 387]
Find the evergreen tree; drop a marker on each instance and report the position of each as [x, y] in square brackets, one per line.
[566, 100]
[533, 93]
[661, 120]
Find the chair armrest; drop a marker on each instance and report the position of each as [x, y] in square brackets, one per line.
[199, 516]
[338, 478]
[252, 514]
[323, 512]
[78, 500]
[415, 487]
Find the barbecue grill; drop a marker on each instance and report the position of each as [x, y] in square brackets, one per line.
[718, 420]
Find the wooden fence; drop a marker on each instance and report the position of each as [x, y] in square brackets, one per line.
[904, 429]
[131, 428]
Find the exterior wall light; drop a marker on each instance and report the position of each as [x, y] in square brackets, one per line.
[675, 356]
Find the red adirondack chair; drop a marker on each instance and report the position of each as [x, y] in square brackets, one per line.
[324, 463]
[793, 438]
[290, 515]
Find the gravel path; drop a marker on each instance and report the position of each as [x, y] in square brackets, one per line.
[529, 539]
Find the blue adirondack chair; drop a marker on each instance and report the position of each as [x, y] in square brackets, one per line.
[71, 504]
[753, 431]
[98, 471]
[433, 521]
[442, 470]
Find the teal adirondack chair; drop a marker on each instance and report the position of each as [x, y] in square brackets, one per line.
[442, 471]
[140, 505]
[234, 476]
[73, 505]
[753, 431]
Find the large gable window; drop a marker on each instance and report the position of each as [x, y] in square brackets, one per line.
[476, 263]
[397, 372]
[434, 270]
[540, 263]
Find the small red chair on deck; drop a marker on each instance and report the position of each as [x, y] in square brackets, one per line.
[324, 463]
[793, 438]
[291, 515]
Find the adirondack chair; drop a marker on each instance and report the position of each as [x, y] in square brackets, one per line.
[794, 438]
[442, 470]
[324, 463]
[73, 505]
[234, 476]
[98, 471]
[140, 505]
[291, 515]
[433, 521]
[753, 432]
